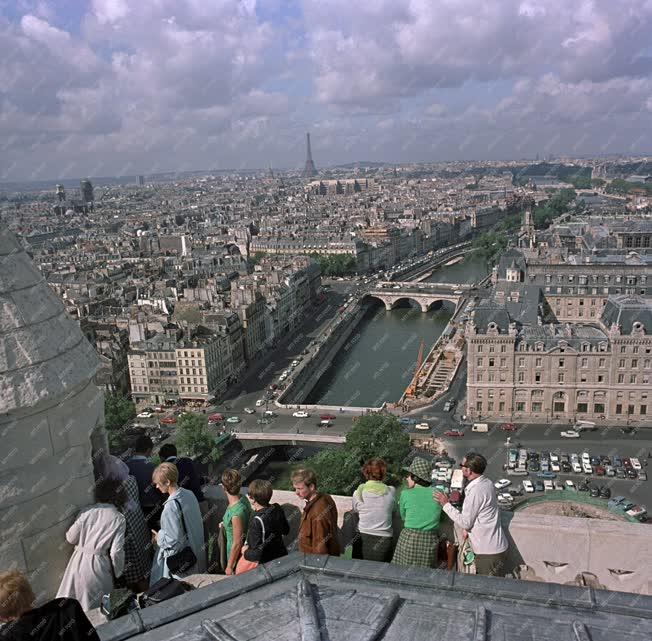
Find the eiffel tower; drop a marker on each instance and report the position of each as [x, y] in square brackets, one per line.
[309, 170]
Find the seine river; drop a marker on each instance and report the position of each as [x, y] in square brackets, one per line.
[377, 362]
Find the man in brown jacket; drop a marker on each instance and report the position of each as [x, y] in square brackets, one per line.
[318, 527]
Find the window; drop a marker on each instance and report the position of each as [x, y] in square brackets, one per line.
[559, 406]
[478, 377]
[502, 377]
[502, 349]
[621, 378]
[491, 347]
[560, 377]
[490, 406]
[601, 362]
[537, 362]
[537, 377]
[583, 377]
[632, 379]
[561, 362]
[521, 362]
[520, 406]
[478, 406]
[585, 362]
[583, 408]
[479, 362]
[491, 362]
[643, 410]
[521, 377]
[621, 363]
[479, 349]
[619, 409]
[598, 408]
[536, 406]
[630, 409]
[634, 362]
[503, 362]
[491, 377]
[623, 349]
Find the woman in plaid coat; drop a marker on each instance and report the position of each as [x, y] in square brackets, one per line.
[417, 543]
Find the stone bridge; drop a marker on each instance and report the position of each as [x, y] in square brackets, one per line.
[254, 440]
[424, 294]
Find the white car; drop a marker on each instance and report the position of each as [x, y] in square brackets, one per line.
[548, 486]
[145, 415]
[422, 426]
[260, 402]
[554, 458]
[570, 485]
[588, 468]
[301, 414]
[248, 410]
[528, 487]
[636, 464]
[502, 483]
[570, 434]
[554, 467]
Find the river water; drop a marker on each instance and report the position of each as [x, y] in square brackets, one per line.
[377, 362]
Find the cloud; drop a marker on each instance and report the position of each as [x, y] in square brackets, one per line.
[126, 83]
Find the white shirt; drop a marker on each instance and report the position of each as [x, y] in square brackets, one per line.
[480, 517]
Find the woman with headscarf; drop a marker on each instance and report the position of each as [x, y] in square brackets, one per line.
[138, 547]
[98, 535]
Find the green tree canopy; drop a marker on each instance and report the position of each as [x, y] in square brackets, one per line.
[195, 439]
[118, 411]
[335, 264]
[374, 435]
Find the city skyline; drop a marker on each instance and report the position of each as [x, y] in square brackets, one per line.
[112, 87]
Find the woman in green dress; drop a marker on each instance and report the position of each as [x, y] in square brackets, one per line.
[236, 518]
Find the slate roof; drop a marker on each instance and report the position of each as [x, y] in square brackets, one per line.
[625, 310]
[319, 598]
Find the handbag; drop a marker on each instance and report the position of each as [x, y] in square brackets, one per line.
[182, 561]
[244, 565]
[162, 590]
[118, 603]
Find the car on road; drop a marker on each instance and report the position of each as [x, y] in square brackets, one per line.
[168, 420]
[233, 419]
[327, 417]
[528, 486]
[260, 402]
[406, 421]
[502, 483]
[615, 502]
[300, 414]
[422, 426]
[263, 421]
[454, 433]
[214, 418]
[145, 415]
[270, 413]
[248, 410]
[569, 434]
[507, 427]
[449, 405]
[546, 475]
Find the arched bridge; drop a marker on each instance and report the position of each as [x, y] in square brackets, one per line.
[252, 440]
[424, 294]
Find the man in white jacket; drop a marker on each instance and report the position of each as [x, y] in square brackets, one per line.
[480, 517]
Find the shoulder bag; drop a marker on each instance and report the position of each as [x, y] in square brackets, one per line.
[244, 565]
[182, 561]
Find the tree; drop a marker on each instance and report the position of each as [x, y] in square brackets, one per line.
[195, 439]
[375, 435]
[118, 411]
[257, 257]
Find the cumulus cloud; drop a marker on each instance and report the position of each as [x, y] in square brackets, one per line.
[237, 83]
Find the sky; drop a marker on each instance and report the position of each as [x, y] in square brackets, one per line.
[124, 87]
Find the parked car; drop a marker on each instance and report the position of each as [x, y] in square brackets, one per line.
[616, 462]
[620, 473]
[584, 487]
[145, 415]
[269, 413]
[636, 464]
[569, 434]
[248, 410]
[263, 421]
[538, 486]
[566, 467]
[594, 492]
[168, 420]
[528, 487]
[642, 476]
[233, 419]
[615, 502]
[502, 483]
[406, 421]
[214, 418]
[260, 402]
[534, 466]
[631, 473]
[454, 433]
[327, 417]
[599, 470]
[570, 485]
[605, 492]
[300, 414]
[508, 427]
[515, 491]
[546, 475]
[548, 486]
[422, 426]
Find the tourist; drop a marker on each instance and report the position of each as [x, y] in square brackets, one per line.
[181, 525]
[138, 546]
[188, 477]
[236, 518]
[267, 527]
[373, 501]
[98, 535]
[318, 526]
[417, 543]
[60, 619]
[480, 517]
[151, 500]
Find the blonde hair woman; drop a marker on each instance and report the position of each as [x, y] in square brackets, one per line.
[181, 525]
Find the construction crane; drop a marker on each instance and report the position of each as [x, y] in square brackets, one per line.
[412, 387]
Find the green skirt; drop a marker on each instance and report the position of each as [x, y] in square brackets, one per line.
[417, 548]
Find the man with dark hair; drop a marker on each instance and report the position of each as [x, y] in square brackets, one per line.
[188, 477]
[480, 516]
[151, 500]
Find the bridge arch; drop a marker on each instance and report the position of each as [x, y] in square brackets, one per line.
[441, 303]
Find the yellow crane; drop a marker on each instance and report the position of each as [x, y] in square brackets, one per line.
[412, 387]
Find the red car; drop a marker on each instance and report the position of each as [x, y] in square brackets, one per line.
[273, 386]
[454, 433]
[169, 420]
[599, 470]
[327, 417]
[508, 427]
[215, 418]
